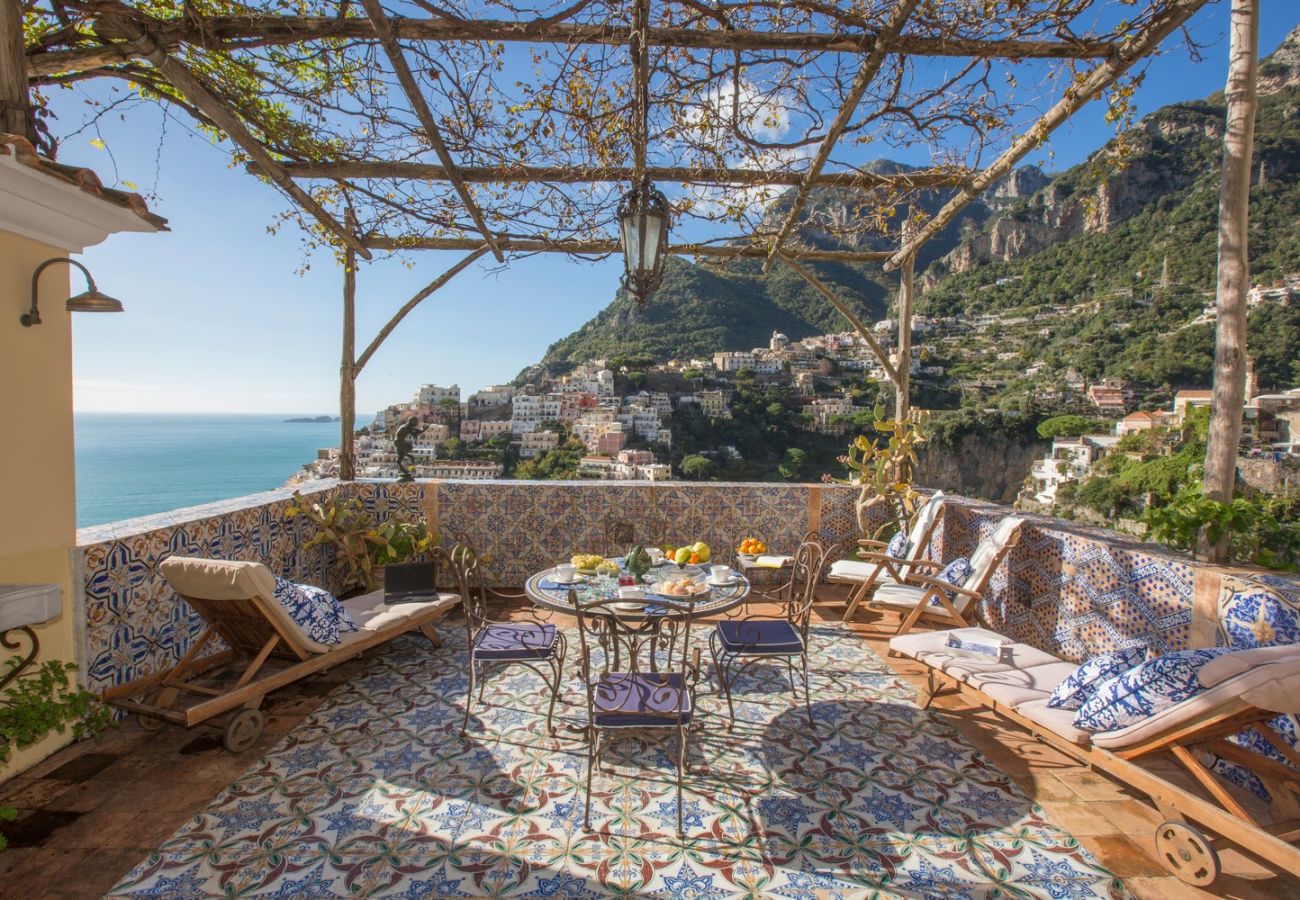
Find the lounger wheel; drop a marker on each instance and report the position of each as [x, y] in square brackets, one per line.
[1187, 853]
[149, 723]
[243, 730]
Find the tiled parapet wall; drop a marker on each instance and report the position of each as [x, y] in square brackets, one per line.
[133, 623]
[1071, 590]
[1076, 591]
[525, 526]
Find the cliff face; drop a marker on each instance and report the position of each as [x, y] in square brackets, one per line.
[1168, 151]
[992, 465]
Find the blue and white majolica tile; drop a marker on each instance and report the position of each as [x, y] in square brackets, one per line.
[377, 794]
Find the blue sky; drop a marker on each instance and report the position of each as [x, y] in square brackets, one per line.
[219, 318]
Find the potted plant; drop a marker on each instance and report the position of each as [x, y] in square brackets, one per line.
[882, 469]
[363, 547]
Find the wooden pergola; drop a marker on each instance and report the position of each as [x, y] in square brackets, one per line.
[194, 60]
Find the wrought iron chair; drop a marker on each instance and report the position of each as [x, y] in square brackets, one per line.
[736, 644]
[531, 644]
[644, 680]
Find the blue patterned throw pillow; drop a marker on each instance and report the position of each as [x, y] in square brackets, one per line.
[1145, 690]
[316, 611]
[955, 573]
[1075, 690]
[898, 546]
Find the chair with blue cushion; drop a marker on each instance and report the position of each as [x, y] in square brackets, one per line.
[539, 646]
[736, 644]
[639, 671]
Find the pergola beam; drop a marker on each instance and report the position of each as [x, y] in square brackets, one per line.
[416, 299]
[1077, 95]
[420, 106]
[230, 33]
[127, 31]
[416, 171]
[599, 247]
[866, 74]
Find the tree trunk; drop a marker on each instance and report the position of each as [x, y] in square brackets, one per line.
[15, 102]
[348, 370]
[902, 400]
[1234, 267]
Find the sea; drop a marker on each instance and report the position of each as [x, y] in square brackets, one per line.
[134, 464]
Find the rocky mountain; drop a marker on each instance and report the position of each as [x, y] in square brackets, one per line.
[1169, 154]
[1088, 234]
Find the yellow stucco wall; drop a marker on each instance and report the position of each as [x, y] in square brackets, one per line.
[38, 520]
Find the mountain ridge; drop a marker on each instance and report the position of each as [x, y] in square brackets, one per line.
[1033, 240]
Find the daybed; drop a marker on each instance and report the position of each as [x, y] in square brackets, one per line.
[265, 649]
[1242, 688]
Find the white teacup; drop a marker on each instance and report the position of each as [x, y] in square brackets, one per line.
[565, 572]
[719, 574]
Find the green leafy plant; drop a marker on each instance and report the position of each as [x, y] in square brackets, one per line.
[359, 545]
[1262, 530]
[882, 468]
[43, 702]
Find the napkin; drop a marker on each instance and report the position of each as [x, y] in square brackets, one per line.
[771, 562]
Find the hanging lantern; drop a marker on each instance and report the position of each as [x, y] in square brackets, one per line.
[643, 221]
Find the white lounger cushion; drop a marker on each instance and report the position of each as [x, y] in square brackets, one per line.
[1058, 721]
[931, 648]
[1233, 664]
[858, 570]
[1273, 683]
[372, 615]
[907, 596]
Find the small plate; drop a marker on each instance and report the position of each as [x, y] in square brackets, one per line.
[629, 605]
[554, 578]
[726, 583]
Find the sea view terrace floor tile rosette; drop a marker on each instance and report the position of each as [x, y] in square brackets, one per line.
[376, 793]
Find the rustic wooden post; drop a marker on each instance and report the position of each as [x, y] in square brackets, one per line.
[348, 366]
[15, 102]
[902, 381]
[1234, 266]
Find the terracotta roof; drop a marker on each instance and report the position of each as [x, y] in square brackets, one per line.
[1194, 395]
[22, 150]
[1142, 414]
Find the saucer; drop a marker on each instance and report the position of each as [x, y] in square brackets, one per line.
[724, 583]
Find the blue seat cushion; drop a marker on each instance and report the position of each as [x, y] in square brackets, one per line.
[640, 699]
[515, 640]
[768, 637]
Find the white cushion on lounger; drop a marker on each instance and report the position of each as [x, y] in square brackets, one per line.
[856, 570]
[1232, 664]
[931, 648]
[372, 615]
[1276, 682]
[1057, 721]
[1281, 693]
[1014, 686]
[966, 665]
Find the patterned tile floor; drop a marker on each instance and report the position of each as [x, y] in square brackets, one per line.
[375, 792]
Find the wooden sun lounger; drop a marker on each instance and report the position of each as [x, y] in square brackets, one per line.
[1261, 684]
[264, 648]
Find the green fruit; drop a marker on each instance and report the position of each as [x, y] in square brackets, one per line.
[637, 561]
[683, 556]
[702, 550]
